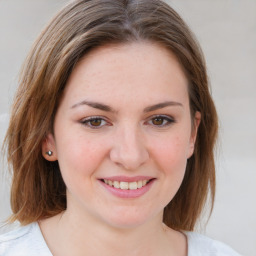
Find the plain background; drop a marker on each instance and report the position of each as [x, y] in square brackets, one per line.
[226, 30]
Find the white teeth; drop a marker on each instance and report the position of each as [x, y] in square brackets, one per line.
[133, 185]
[126, 185]
[116, 184]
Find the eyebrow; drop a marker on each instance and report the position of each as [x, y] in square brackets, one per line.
[107, 108]
[94, 105]
[162, 105]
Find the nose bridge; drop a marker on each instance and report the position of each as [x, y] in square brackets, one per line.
[129, 149]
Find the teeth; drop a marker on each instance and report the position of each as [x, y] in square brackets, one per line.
[127, 185]
[124, 185]
[133, 185]
[116, 184]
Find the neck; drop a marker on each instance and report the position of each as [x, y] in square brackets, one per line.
[71, 234]
[112, 240]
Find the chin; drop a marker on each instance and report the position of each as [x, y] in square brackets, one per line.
[127, 219]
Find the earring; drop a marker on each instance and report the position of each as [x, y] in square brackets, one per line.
[49, 153]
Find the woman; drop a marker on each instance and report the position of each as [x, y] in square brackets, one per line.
[111, 136]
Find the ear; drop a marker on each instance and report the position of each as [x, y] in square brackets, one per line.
[48, 144]
[196, 123]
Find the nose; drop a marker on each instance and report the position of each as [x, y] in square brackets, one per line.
[129, 149]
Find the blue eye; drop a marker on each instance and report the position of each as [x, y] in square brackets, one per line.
[161, 120]
[94, 122]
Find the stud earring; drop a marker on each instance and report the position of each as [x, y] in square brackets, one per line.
[49, 153]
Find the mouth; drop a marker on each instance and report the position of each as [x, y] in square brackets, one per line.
[127, 187]
[124, 185]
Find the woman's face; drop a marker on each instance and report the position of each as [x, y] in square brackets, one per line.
[123, 133]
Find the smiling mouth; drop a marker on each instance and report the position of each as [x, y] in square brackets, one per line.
[123, 185]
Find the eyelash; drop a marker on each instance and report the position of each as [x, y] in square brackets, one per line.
[168, 120]
[87, 121]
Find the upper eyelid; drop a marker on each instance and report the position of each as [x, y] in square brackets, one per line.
[170, 119]
[106, 119]
[93, 117]
[161, 115]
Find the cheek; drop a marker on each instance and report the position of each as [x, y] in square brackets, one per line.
[170, 159]
[171, 155]
[79, 155]
[79, 160]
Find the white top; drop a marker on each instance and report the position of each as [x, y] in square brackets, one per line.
[29, 241]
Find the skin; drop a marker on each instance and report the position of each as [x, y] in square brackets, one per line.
[127, 141]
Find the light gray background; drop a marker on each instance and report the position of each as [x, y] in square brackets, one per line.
[226, 30]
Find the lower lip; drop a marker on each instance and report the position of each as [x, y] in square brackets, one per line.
[128, 193]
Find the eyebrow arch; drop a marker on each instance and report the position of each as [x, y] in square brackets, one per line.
[161, 105]
[94, 105]
[107, 108]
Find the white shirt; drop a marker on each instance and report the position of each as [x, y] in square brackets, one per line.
[29, 241]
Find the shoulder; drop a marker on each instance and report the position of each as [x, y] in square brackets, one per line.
[27, 240]
[200, 245]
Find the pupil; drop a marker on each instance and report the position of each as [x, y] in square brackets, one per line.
[158, 121]
[96, 122]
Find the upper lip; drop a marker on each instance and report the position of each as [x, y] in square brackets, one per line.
[127, 179]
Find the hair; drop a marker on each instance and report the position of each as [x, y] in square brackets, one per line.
[38, 190]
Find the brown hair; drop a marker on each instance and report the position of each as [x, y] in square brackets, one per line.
[38, 190]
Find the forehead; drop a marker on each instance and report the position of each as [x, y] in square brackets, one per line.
[142, 71]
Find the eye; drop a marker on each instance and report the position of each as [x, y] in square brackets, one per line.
[161, 120]
[94, 122]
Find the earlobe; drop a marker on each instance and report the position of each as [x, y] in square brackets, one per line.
[196, 123]
[49, 151]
